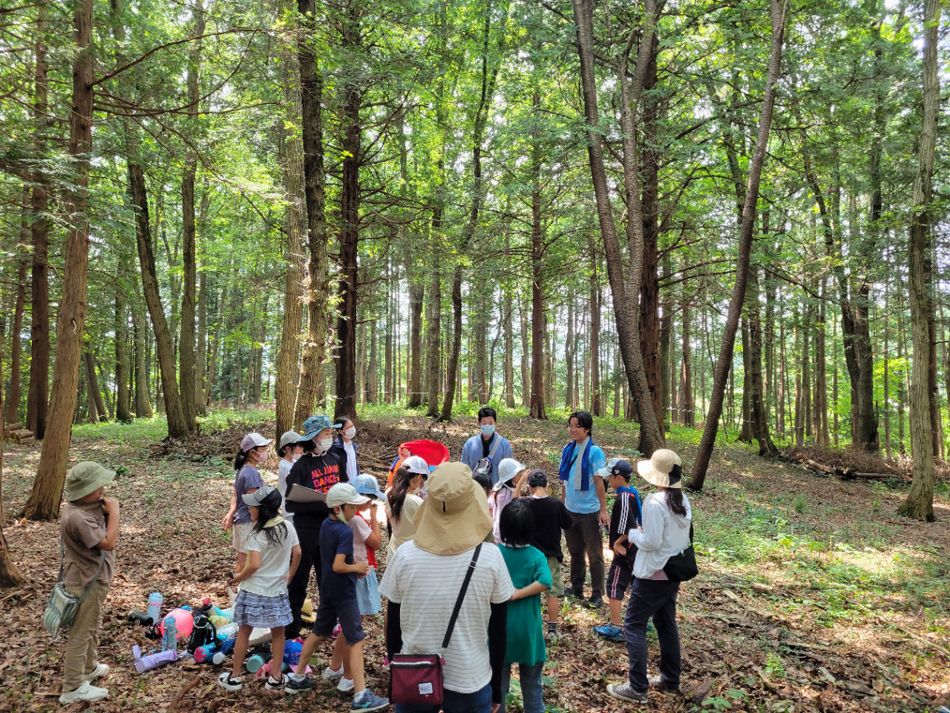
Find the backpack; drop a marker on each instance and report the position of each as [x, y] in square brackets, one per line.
[204, 632]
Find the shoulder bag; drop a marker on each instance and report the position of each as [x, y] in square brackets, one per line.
[682, 567]
[485, 464]
[416, 679]
[62, 607]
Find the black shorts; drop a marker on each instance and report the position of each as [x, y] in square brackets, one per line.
[346, 612]
[619, 578]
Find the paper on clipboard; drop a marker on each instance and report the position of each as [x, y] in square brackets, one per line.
[300, 494]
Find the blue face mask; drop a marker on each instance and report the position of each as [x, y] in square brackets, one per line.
[488, 430]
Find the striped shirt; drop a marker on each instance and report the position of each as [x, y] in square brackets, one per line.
[426, 586]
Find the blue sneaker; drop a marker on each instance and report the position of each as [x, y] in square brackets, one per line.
[610, 632]
[366, 700]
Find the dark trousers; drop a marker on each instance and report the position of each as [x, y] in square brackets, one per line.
[297, 589]
[656, 599]
[584, 538]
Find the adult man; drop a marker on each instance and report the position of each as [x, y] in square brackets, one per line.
[487, 448]
[585, 495]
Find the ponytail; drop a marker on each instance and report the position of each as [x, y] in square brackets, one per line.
[674, 501]
[240, 460]
[397, 496]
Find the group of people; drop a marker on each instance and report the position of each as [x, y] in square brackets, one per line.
[487, 515]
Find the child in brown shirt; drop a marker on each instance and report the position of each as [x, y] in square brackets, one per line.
[90, 527]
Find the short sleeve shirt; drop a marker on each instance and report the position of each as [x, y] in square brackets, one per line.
[526, 565]
[83, 527]
[585, 501]
[270, 580]
[336, 538]
[246, 479]
[361, 530]
[426, 587]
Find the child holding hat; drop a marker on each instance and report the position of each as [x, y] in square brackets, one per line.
[338, 574]
[89, 527]
[665, 533]
[511, 476]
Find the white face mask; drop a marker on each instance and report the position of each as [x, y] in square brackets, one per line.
[350, 433]
[325, 443]
[296, 457]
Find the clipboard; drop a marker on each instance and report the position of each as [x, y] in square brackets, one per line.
[300, 494]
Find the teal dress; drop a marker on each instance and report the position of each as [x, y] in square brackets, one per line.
[526, 565]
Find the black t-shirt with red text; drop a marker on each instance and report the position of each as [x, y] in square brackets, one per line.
[317, 473]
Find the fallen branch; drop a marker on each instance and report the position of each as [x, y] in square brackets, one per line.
[181, 694]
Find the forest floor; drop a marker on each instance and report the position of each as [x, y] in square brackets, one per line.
[813, 595]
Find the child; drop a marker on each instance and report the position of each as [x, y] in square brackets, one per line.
[624, 517]
[367, 539]
[89, 528]
[550, 516]
[246, 480]
[262, 601]
[530, 575]
[338, 603]
[484, 481]
[511, 476]
[289, 450]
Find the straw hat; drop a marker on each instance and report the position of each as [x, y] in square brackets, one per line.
[454, 517]
[664, 469]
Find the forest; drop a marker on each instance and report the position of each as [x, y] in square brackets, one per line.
[711, 222]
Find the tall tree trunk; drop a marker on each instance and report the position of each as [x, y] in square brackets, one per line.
[745, 428]
[416, 301]
[47, 493]
[16, 345]
[569, 354]
[806, 371]
[143, 408]
[526, 387]
[919, 502]
[822, 436]
[178, 425]
[510, 344]
[37, 400]
[434, 336]
[311, 95]
[538, 332]
[92, 385]
[201, 350]
[625, 292]
[757, 396]
[666, 348]
[296, 222]
[597, 405]
[686, 377]
[123, 405]
[701, 465]
[10, 575]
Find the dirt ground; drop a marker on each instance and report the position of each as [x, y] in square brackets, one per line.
[813, 595]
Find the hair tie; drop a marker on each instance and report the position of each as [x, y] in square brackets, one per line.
[676, 474]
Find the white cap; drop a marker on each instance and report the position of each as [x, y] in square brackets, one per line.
[415, 464]
[344, 494]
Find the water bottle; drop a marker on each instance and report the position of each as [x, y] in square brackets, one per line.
[209, 654]
[155, 601]
[254, 663]
[171, 635]
[227, 631]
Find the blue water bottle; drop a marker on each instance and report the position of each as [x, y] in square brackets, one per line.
[155, 601]
[171, 635]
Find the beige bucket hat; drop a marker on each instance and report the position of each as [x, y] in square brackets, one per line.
[85, 478]
[664, 469]
[454, 516]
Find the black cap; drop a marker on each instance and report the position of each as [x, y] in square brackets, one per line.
[622, 468]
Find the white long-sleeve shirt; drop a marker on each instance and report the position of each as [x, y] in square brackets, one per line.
[664, 534]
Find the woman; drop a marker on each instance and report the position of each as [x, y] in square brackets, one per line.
[344, 448]
[422, 583]
[665, 533]
[403, 502]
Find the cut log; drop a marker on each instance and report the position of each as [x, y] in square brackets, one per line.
[13, 427]
[823, 468]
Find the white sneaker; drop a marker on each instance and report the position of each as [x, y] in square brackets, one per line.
[230, 684]
[99, 671]
[85, 692]
[330, 675]
[346, 685]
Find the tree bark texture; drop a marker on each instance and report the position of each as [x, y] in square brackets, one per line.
[47, 493]
[416, 302]
[723, 365]
[12, 406]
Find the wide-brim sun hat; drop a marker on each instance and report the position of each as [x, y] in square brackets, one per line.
[664, 469]
[344, 494]
[454, 516]
[507, 470]
[366, 484]
[254, 440]
[85, 478]
[264, 494]
[313, 425]
[290, 437]
[417, 465]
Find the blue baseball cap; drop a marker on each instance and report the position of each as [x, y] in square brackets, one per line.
[367, 484]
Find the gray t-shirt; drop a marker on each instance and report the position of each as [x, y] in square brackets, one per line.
[270, 580]
[246, 479]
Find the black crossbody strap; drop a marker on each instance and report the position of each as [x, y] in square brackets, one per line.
[458, 602]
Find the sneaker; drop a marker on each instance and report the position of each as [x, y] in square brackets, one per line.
[385, 663]
[345, 685]
[660, 686]
[611, 632]
[228, 683]
[551, 634]
[99, 671]
[625, 692]
[594, 603]
[273, 683]
[332, 675]
[366, 700]
[298, 684]
[86, 692]
[568, 592]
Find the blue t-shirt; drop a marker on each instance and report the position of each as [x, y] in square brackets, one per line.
[584, 502]
[246, 479]
[336, 538]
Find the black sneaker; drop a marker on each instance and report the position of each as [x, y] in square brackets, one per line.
[573, 593]
[593, 603]
[298, 684]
